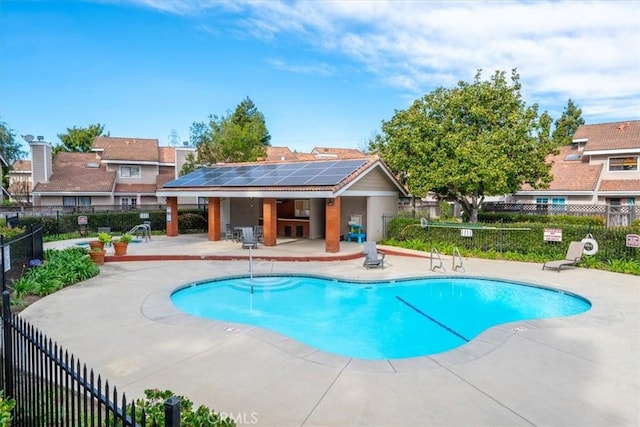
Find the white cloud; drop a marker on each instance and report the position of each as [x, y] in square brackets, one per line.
[587, 51]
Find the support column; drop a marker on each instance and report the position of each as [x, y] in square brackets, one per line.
[332, 225]
[172, 216]
[214, 218]
[269, 221]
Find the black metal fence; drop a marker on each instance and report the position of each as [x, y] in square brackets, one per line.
[17, 254]
[59, 220]
[52, 388]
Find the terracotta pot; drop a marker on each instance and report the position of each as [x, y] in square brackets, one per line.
[96, 244]
[97, 256]
[120, 248]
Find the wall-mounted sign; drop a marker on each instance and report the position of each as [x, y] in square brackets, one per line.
[633, 241]
[552, 234]
[168, 214]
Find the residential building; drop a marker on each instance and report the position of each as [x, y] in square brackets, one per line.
[599, 168]
[123, 172]
[20, 182]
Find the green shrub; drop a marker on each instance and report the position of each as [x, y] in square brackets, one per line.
[6, 406]
[153, 405]
[191, 222]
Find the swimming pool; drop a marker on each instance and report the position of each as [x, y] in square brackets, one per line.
[381, 320]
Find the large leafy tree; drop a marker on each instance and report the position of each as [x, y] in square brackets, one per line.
[565, 127]
[79, 139]
[475, 140]
[10, 149]
[240, 136]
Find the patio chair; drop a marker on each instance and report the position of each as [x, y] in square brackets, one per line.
[573, 257]
[258, 232]
[372, 258]
[228, 232]
[248, 239]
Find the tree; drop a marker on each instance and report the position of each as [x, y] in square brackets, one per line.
[241, 136]
[475, 140]
[10, 149]
[565, 127]
[79, 140]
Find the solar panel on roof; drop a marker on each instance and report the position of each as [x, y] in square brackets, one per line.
[274, 174]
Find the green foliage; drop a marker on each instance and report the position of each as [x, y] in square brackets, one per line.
[60, 268]
[517, 242]
[191, 222]
[565, 127]
[11, 233]
[464, 143]
[508, 217]
[105, 238]
[79, 140]
[240, 136]
[125, 238]
[10, 149]
[153, 405]
[6, 406]
[445, 210]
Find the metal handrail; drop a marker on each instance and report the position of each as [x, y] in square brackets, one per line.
[440, 265]
[455, 266]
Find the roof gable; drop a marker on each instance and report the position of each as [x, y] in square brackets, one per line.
[126, 149]
[77, 172]
[610, 136]
[570, 175]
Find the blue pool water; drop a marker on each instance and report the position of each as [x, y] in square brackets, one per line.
[86, 244]
[387, 320]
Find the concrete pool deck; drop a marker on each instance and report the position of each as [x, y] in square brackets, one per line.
[582, 370]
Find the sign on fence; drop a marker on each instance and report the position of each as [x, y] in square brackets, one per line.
[633, 241]
[552, 234]
[82, 220]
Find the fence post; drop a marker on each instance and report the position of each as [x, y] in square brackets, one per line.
[172, 412]
[7, 347]
[4, 278]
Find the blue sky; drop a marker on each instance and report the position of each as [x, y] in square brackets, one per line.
[324, 73]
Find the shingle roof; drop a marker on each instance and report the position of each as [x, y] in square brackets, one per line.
[571, 175]
[280, 153]
[166, 154]
[127, 149]
[135, 189]
[71, 174]
[21, 166]
[610, 136]
[626, 185]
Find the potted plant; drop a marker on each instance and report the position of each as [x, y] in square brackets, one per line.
[97, 255]
[120, 245]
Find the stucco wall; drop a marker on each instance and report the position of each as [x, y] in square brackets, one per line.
[376, 207]
[317, 218]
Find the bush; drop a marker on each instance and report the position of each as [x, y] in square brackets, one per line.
[153, 405]
[191, 222]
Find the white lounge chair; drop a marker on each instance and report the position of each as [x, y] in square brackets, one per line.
[372, 258]
[573, 257]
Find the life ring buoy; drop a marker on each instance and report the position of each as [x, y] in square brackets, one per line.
[590, 241]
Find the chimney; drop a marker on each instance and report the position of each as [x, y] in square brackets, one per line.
[41, 160]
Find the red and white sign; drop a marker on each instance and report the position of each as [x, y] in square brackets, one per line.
[633, 241]
[552, 235]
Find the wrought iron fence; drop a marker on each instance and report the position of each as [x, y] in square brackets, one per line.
[16, 254]
[52, 388]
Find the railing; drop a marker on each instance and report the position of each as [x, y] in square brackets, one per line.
[51, 388]
[440, 264]
[17, 254]
[456, 255]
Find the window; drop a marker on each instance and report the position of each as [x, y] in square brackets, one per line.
[558, 204]
[128, 201]
[542, 200]
[623, 164]
[76, 201]
[203, 202]
[302, 208]
[129, 171]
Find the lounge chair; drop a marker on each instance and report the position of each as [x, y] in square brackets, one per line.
[372, 258]
[573, 257]
[248, 239]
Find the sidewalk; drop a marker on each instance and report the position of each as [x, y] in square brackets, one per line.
[582, 370]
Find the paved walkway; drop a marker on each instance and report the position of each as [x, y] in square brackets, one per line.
[577, 371]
